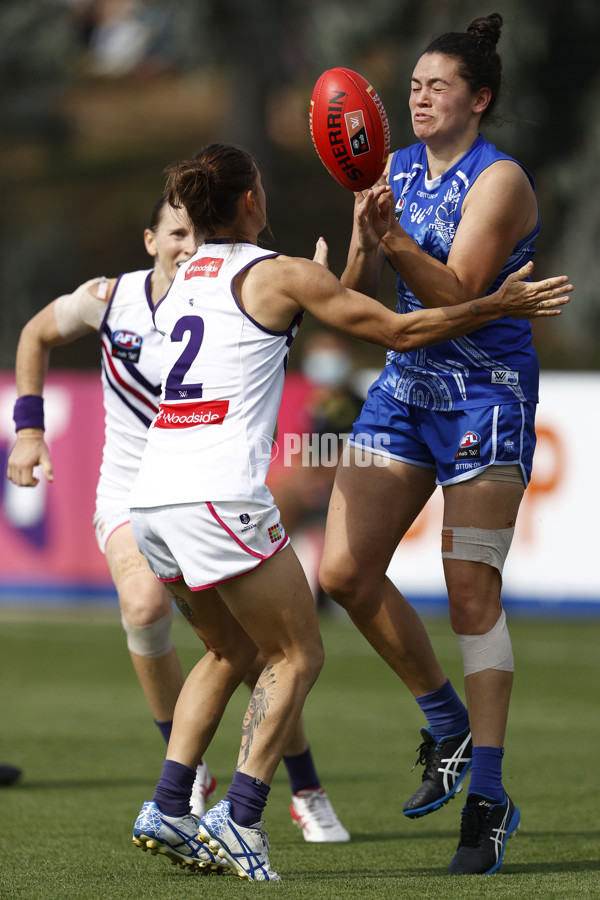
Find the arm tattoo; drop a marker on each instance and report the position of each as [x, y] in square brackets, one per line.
[182, 604]
[256, 711]
[475, 308]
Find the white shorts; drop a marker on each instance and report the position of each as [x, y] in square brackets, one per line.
[207, 543]
[106, 521]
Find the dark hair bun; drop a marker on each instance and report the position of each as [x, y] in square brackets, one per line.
[487, 29]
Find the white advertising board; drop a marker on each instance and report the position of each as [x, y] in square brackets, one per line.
[555, 555]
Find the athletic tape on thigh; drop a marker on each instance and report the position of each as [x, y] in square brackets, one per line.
[511, 474]
[487, 651]
[477, 544]
[149, 640]
[126, 563]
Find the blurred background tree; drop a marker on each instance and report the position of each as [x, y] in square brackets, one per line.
[98, 96]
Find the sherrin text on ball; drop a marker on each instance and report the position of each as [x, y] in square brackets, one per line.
[349, 128]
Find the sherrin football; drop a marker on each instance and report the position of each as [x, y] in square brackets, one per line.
[349, 128]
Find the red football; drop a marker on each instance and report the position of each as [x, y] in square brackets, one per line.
[349, 128]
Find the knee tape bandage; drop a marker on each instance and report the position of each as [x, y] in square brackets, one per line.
[477, 545]
[149, 640]
[487, 651]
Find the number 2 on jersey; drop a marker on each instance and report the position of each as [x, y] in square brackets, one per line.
[175, 389]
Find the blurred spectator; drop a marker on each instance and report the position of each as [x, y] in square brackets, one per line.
[125, 36]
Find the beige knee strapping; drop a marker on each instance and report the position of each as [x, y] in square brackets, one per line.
[487, 651]
[477, 544]
[151, 640]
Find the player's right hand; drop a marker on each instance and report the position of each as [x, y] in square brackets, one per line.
[374, 215]
[30, 450]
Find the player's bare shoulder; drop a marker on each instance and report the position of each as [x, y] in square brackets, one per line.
[276, 273]
[504, 177]
[297, 276]
[504, 192]
[270, 291]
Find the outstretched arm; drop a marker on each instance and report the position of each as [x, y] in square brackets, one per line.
[361, 317]
[275, 290]
[61, 322]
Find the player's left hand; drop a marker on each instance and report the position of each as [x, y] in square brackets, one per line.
[523, 299]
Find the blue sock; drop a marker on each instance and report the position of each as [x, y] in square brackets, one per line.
[486, 774]
[248, 798]
[172, 794]
[301, 771]
[165, 729]
[445, 712]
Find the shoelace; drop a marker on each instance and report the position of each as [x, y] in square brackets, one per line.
[265, 837]
[427, 757]
[320, 808]
[473, 821]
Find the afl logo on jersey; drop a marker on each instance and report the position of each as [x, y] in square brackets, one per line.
[469, 447]
[207, 267]
[126, 345]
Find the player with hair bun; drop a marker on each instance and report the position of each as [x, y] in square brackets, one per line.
[120, 310]
[460, 415]
[201, 512]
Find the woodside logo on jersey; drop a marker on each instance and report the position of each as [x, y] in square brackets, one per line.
[187, 415]
[207, 267]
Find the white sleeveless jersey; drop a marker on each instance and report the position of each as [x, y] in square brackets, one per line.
[131, 384]
[222, 376]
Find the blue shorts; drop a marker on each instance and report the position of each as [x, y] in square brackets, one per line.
[458, 445]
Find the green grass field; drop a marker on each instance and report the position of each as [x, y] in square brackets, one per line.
[74, 719]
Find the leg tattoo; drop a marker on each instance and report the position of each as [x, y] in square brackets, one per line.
[255, 713]
[182, 604]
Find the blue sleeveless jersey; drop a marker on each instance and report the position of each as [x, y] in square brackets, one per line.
[494, 365]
